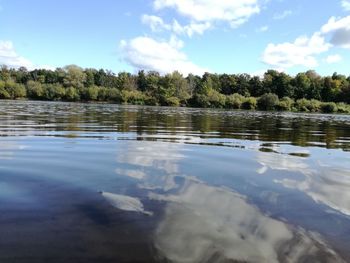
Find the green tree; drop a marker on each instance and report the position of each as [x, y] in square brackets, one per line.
[75, 77]
[54, 92]
[268, 101]
[72, 94]
[255, 87]
[35, 90]
[228, 84]
[15, 90]
[249, 103]
[3, 92]
[234, 101]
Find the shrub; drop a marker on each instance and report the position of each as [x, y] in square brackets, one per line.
[234, 101]
[102, 94]
[91, 93]
[34, 90]
[268, 101]
[302, 105]
[114, 95]
[72, 94]
[213, 99]
[285, 104]
[343, 108]
[151, 100]
[201, 100]
[15, 90]
[3, 92]
[53, 91]
[172, 101]
[249, 103]
[133, 97]
[329, 107]
[216, 99]
[315, 105]
[308, 105]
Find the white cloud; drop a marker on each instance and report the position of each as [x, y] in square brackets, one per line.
[340, 30]
[234, 12]
[299, 53]
[191, 28]
[335, 23]
[263, 29]
[303, 51]
[9, 56]
[162, 56]
[157, 24]
[346, 5]
[282, 15]
[331, 59]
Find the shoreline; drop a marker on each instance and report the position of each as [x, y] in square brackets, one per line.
[196, 107]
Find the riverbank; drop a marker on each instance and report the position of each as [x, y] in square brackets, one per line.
[268, 102]
[276, 91]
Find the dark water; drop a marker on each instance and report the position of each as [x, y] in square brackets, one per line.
[108, 183]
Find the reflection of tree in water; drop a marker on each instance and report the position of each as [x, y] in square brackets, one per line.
[331, 131]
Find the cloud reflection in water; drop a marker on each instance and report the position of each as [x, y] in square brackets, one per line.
[204, 223]
[329, 185]
[209, 224]
[148, 158]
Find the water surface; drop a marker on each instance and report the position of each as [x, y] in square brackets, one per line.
[109, 183]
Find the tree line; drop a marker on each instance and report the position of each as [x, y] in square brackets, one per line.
[306, 91]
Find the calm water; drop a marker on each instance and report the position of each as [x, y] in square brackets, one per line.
[108, 183]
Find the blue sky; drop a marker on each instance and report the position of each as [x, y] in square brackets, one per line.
[237, 36]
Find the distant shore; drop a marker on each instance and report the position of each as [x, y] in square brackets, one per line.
[304, 106]
[276, 91]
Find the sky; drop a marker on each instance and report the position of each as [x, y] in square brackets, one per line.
[190, 36]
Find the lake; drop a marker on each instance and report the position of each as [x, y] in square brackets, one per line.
[110, 183]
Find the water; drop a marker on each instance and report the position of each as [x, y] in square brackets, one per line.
[108, 183]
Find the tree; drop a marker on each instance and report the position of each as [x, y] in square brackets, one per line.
[54, 92]
[193, 84]
[90, 77]
[302, 86]
[126, 81]
[243, 86]
[72, 94]
[75, 77]
[255, 86]
[4, 73]
[35, 90]
[178, 86]
[141, 80]
[15, 90]
[3, 92]
[91, 93]
[277, 83]
[228, 84]
[307, 91]
[268, 101]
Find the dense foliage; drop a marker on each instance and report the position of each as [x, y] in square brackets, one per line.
[275, 91]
